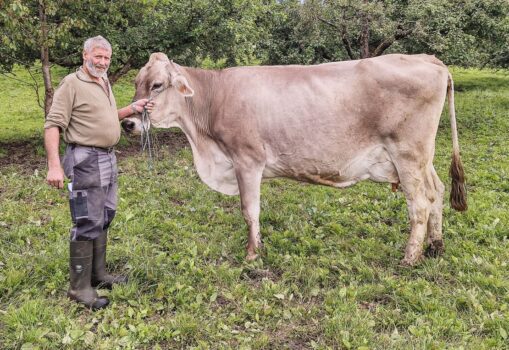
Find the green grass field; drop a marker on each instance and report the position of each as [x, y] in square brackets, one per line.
[329, 276]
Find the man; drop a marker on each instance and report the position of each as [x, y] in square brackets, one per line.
[85, 111]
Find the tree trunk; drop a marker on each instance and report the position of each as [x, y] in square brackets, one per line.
[45, 63]
[344, 36]
[114, 76]
[364, 37]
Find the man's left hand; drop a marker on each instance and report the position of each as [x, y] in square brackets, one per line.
[140, 104]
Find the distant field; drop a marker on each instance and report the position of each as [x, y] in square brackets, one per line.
[329, 276]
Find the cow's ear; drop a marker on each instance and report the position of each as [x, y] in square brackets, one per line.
[181, 84]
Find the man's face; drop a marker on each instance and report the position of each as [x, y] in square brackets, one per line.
[97, 60]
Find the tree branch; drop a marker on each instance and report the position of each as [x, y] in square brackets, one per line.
[335, 26]
[67, 61]
[16, 79]
[36, 88]
[384, 45]
[114, 76]
[344, 38]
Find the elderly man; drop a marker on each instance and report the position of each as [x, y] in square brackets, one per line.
[85, 111]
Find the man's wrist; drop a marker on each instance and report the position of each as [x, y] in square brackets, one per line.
[54, 165]
[133, 109]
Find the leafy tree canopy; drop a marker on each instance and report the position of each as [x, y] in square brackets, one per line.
[239, 32]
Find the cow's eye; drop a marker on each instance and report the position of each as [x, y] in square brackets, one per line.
[157, 86]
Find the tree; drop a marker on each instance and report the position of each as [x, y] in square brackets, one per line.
[240, 32]
[229, 30]
[30, 30]
[462, 32]
[53, 31]
[50, 32]
[465, 32]
[294, 37]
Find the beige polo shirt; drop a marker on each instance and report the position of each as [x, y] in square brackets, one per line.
[84, 112]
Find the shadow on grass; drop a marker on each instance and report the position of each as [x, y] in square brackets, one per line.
[487, 82]
[29, 154]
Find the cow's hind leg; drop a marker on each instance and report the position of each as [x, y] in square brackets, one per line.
[249, 181]
[435, 242]
[415, 184]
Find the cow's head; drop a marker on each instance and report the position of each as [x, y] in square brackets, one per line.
[162, 81]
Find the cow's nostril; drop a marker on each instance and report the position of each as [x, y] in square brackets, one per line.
[128, 125]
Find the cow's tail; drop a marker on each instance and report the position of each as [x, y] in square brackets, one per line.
[458, 190]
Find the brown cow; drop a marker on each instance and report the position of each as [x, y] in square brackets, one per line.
[331, 124]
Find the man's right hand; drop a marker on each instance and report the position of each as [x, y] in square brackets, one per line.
[55, 177]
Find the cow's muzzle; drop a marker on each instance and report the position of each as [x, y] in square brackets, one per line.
[128, 125]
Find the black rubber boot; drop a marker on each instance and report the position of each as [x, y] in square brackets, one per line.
[80, 270]
[101, 278]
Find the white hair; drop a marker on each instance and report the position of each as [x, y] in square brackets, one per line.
[96, 41]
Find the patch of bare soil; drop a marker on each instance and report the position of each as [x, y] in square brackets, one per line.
[26, 153]
[29, 154]
[172, 141]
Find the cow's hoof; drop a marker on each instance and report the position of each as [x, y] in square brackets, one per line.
[251, 256]
[435, 249]
[410, 262]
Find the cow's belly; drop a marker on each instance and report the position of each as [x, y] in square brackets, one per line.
[373, 163]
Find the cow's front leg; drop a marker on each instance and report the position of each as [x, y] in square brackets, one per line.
[249, 181]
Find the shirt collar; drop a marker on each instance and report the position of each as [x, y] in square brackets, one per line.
[82, 75]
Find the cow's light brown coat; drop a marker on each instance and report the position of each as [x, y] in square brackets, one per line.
[332, 124]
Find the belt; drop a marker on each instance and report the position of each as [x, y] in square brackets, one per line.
[102, 149]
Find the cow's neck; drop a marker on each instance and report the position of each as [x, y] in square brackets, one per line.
[212, 164]
[196, 117]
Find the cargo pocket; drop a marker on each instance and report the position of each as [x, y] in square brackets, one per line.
[79, 206]
[85, 169]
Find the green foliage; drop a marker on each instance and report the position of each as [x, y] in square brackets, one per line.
[328, 277]
[462, 32]
[191, 31]
[294, 38]
[21, 34]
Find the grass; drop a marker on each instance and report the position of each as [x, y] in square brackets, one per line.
[329, 276]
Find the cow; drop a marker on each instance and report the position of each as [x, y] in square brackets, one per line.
[332, 124]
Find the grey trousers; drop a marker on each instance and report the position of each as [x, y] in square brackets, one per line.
[93, 189]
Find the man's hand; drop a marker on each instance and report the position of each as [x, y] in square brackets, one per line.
[140, 104]
[55, 177]
[135, 108]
